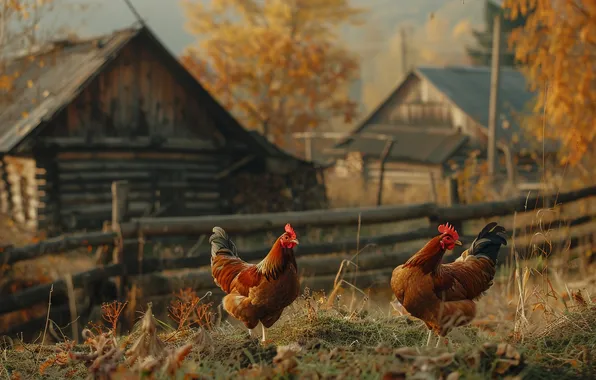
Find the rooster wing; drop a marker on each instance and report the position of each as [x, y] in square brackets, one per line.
[472, 273]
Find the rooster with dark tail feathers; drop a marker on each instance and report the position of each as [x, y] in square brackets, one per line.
[443, 295]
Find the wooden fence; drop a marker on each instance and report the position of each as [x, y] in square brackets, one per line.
[319, 262]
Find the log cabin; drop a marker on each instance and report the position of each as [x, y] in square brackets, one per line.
[81, 114]
[435, 120]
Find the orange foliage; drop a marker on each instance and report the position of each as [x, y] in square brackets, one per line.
[187, 310]
[110, 312]
[558, 44]
[276, 65]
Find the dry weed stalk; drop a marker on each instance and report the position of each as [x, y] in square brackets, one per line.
[148, 343]
[149, 353]
[187, 310]
[110, 312]
[105, 356]
[313, 305]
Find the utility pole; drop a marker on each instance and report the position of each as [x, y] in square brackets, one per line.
[404, 52]
[493, 111]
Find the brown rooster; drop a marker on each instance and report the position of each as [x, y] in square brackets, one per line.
[256, 292]
[442, 295]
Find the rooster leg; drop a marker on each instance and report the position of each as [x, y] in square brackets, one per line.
[438, 342]
[430, 334]
[264, 330]
[250, 333]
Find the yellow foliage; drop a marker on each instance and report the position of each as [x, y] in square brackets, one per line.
[275, 64]
[558, 45]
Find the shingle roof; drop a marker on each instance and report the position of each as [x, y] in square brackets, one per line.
[468, 88]
[43, 90]
[410, 144]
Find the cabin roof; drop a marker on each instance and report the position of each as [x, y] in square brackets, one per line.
[468, 87]
[52, 76]
[433, 147]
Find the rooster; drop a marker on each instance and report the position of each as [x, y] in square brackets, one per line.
[256, 292]
[443, 295]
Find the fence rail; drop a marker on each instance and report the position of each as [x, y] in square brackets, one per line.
[374, 266]
[341, 217]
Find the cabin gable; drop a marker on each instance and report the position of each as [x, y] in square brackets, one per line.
[136, 95]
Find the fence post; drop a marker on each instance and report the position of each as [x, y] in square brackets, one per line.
[382, 162]
[120, 190]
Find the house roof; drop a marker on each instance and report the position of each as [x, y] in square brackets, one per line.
[63, 69]
[410, 144]
[468, 88]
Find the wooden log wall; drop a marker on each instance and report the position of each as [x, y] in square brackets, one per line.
[48, 190]
[4, 189]
[162, 184]
[22, 177]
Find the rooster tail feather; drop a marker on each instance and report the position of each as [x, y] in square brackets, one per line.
[489, 241]
[221, 244]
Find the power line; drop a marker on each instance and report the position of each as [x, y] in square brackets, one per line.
[134, 12]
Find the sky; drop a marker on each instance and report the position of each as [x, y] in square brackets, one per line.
[437, 32]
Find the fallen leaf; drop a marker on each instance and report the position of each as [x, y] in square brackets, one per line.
[444, 360]
[406, 353]
[394, 375]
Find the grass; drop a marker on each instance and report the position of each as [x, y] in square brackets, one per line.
[313, 340]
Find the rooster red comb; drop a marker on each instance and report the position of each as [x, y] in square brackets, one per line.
[449, 229]
[290, 231]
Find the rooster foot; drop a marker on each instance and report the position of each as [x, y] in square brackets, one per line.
[252, 335]
[444, 340]
[267, 342]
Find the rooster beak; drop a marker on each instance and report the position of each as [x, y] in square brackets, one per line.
[295, 241]
[457, 242]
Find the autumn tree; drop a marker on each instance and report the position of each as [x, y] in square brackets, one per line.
[481, 54]
[558, 46]
[277, 65]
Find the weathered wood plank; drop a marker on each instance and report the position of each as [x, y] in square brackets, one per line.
[58, 244]
[39, 294]
[126, 175]
[104, 176]
[508, 207]
[103, 197]
[128, 143]
[136, 196]
[211, 157]
[140, 186]
[121, 165]
[101, 208]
